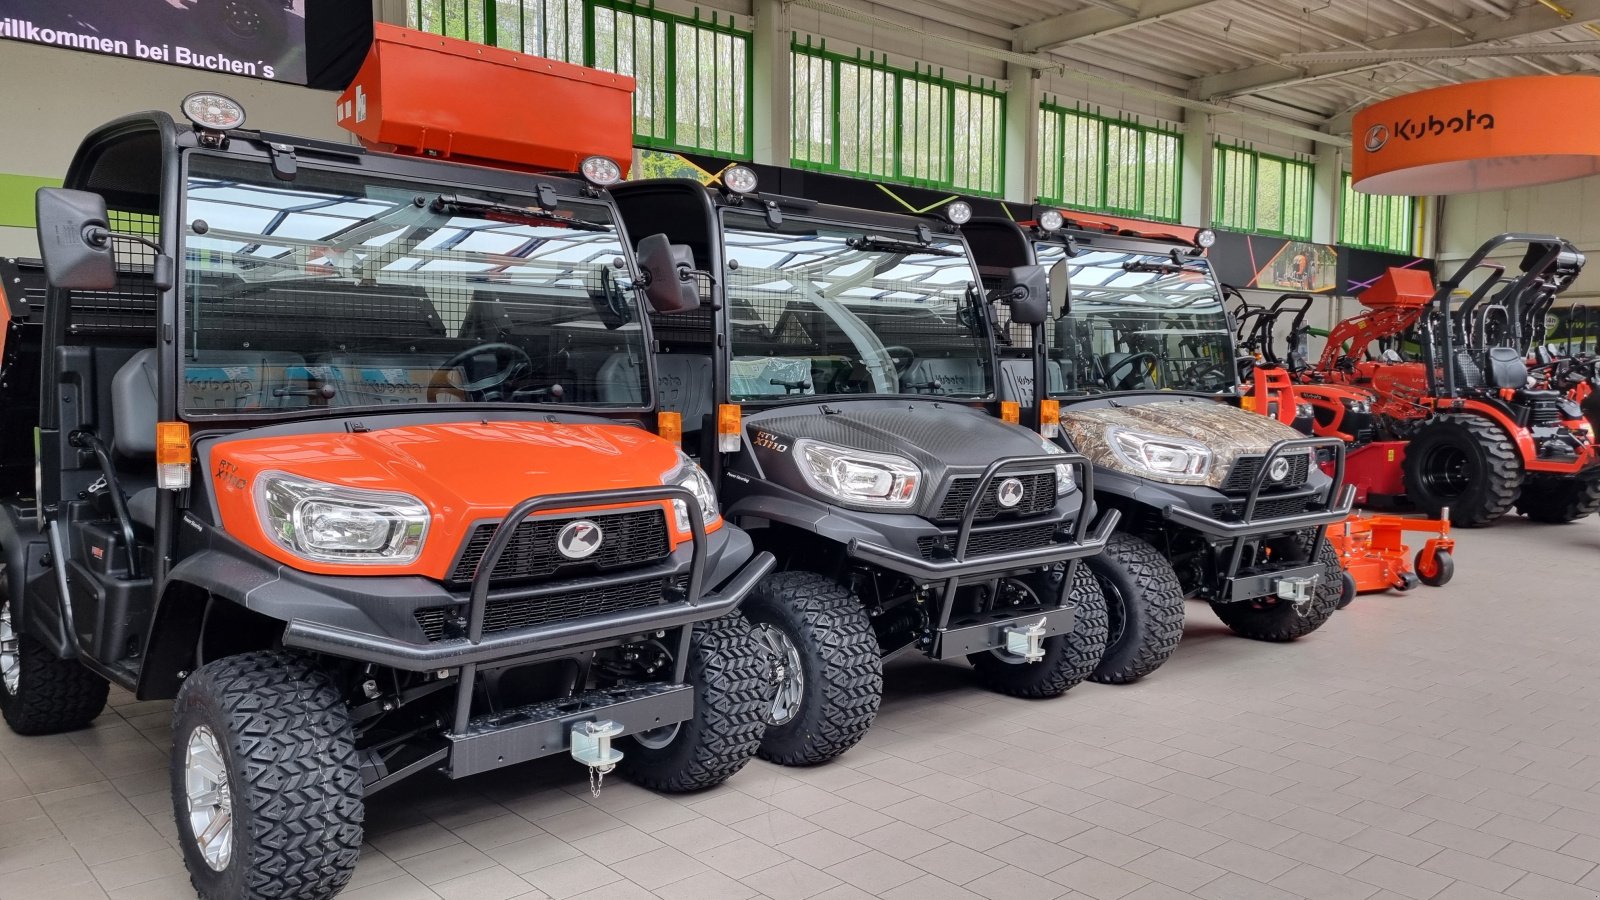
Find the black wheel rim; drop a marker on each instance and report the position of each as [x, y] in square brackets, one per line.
[1447, 471]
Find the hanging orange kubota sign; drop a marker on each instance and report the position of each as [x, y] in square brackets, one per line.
[1479, 136]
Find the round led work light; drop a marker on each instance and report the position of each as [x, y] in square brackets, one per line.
[1205, 238]
[600, 171]
[1052, 220]
[739, 179]
[213, 112]
[959, 212]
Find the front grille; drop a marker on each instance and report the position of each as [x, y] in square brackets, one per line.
[503, 615]
[1038, 496]
[632, 538]
[1268, 507]
[1244, 470]
[983, 543]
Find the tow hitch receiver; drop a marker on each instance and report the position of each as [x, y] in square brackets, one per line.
[591, 744]
[1027, 641]
[1296, 585]
[1298, 589]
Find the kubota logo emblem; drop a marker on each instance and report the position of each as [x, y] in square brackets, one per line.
[1010, 493]
[579, 539]
[1377, 137]
[1279, 470]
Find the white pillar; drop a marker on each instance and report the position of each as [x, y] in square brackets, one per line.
[1022, 133]
[391, 11]
[1198, 169]
[1327, 179]
[769, 66]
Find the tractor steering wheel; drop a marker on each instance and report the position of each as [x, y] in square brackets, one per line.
[484, 389]
[902, 357]
[1128, 381]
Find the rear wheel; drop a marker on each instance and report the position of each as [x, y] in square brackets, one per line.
[265, 783]
[40, 693]
[1278, 620]
[1465, 463]
[1068, 658]
[731, 693]
[823, 662]
[1144, 608]
[1559, 500]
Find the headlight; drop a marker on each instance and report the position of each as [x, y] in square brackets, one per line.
[857, 476]
[1357, 406]
[1065, 482]
[332, 523]
[1304, 411]
[1173, 459]
[688, 474]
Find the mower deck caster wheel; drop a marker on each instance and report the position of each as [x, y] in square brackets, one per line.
[1347, 593]
[1435, 572]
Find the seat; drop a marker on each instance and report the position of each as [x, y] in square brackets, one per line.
[953, 374]
[683, 386]
[1507, 368]
[245, 379]
[134, 414]
[1016, 377]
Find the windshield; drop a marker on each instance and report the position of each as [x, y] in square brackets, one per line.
[1139, 322]
[339, 289]
[832, 309]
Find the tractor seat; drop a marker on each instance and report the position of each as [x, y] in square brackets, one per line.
[1507, 368]
[134, 414]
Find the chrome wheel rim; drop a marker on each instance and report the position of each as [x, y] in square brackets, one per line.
[205, 779]
[10, 653]
[783, 661]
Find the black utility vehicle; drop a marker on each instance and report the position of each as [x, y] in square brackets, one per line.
[1217, 503]
[428, 528]
[839, 383]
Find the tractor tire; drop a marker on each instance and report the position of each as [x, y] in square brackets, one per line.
[1068, 658]
[731, 695]
[1466, 463]
[824, 659]
[274, 731]
[1436, 572]
[40, 693]
[1279, 621]
[1144, 608]
[1557, 501]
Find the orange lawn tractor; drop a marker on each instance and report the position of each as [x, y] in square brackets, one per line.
[1478, 438]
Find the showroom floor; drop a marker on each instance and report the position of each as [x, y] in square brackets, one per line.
[1443, 744]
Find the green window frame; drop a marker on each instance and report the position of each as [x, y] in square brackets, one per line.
[695, 82]
[1096, 163]
[1376, 222]
[1262, 193]
[861, 116]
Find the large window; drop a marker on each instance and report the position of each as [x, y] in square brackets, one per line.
[1262, 193]
[693, 75]
[1374, 222]
[860, 116]
[1097, 164]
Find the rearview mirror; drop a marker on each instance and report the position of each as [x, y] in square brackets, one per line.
[1060, 287]
[1030, 295]
[75, 240]
[668, 275]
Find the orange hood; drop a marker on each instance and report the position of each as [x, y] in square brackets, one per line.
[464, 472]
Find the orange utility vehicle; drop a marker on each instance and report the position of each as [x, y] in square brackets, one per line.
[1466, 431]
[350, 452]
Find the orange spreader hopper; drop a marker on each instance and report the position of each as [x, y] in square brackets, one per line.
[424, 95]
[1399, 287]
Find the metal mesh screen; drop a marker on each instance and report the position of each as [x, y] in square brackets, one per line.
[127, 311]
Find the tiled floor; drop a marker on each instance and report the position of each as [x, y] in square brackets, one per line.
[1443, 744]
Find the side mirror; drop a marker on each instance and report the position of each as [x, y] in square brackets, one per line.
[75, 240]
[1030, 295]
[668, 275]
[1060, 289]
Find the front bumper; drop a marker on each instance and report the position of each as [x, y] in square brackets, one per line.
[1335, 502]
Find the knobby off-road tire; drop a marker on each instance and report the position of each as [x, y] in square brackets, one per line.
[1144, 605]
[1466, 463]
[1557, 501]
[48, 694]
[731, 694]
[838, 659]
[1280, 621]
[286, 742]
[1068, 658]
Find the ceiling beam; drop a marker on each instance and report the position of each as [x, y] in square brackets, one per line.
[1083, 24]
[1528, 20]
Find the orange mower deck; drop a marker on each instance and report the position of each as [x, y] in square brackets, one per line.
[1373, 550]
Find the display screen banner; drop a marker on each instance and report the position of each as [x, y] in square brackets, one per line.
[263, 39]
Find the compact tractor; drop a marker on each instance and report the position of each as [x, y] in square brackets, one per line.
[840, 386]
[349, 452]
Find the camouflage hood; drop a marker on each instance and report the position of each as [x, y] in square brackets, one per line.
[1229, 432]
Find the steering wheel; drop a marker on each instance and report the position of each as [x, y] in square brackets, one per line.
[484, 388]
[1127, 382]
[902, 356]
[1207, 375]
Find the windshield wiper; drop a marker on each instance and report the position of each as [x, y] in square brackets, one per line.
[505, 212]
[874, 244]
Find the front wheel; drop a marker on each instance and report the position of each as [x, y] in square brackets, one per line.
[1557, 501]
[265, 783]
[1068, 658]
[1278, 620]
[40, 693]
[731, 693]
[1144, 605]
[823, 662]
